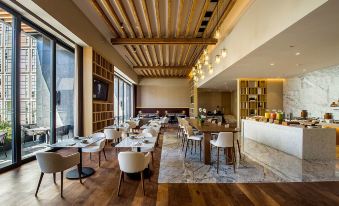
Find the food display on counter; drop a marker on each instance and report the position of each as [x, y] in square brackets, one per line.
[278, 117]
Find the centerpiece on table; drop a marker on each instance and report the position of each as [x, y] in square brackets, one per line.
[202, 115]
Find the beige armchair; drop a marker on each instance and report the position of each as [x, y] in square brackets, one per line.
[133, 162]
[50, 162]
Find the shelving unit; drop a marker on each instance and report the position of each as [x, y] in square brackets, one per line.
[193, 99]
[253, 98]
[97, 114]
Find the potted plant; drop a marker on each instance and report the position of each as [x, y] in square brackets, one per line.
[202, 115]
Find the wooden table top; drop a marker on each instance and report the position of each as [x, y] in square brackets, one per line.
[209, 127]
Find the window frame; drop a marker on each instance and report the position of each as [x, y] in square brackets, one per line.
[15, 62]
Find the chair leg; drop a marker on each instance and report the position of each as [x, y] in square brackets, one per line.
[99, 158]
[79, 172]
[191, 146]
[200, 149]
[54, 177]
[195, 146]
[149, 173]
[120, 179]
[142, 182]
[62, 183]
[104, 153]
[37, 189]
[152, 157]
[187, 142]
[239, 149]
[183, 143]
[234, 159]
[90, 156]
[218, 162]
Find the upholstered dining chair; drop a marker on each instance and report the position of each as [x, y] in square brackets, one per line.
[113, 134]
[224, 140]
[51, 162]
[133, 162]
[96, 147]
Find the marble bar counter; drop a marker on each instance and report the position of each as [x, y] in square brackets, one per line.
[304, 143]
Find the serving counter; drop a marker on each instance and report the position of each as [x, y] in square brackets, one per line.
[304, 143]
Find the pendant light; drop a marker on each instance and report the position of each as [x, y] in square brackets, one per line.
[217, 59]
[223, 52]
[210, 69]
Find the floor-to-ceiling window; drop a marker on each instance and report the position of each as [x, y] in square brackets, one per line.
[37, 74]
[64, 93]
[123, 99]
[6, 109]
[35, 87]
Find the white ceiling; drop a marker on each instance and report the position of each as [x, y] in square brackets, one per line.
[316, 37]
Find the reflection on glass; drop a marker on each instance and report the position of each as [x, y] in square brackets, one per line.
[35, 91]
[116, 96]
[6, 109]
[64, 93]
[121, 101]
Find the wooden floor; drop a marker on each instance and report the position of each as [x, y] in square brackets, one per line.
[17, 187]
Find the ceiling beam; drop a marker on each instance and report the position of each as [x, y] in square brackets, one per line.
[142, 41]
[162, 67]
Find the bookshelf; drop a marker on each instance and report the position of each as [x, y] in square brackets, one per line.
[97, 113]
[253, 98]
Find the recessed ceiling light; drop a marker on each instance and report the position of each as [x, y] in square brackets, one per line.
[297, 54]
[272, 64]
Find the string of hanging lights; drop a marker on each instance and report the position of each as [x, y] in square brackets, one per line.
[204, 60]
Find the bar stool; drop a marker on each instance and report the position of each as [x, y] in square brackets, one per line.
[224, 140]
[192, 138]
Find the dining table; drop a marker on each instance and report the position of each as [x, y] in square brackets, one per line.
[41, 130]
[207, 128]
[138, 141]
[79, 143]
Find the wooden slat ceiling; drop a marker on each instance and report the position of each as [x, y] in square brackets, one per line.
[149, 34]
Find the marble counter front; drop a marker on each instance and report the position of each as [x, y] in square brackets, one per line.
[304, 143]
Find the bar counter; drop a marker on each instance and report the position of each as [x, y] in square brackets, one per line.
[304, 143]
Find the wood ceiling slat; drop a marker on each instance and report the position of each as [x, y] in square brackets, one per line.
[226, 8]
[147, 55]
[154, 55]
[154, 20]
[141, 55]
[201, 17]
[167, 53]
[106, 19]
[172, 58]
[116, 23]
[148, 32]
[133, 54]
[123, 17]
[137, 27]
[157, 9]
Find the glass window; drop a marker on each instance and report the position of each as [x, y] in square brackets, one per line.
[123, 100]
[35, 91]
[116, 96]
[6, 98]
[64, 93]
